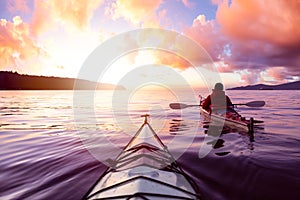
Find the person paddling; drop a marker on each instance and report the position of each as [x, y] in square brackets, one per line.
[217, 101]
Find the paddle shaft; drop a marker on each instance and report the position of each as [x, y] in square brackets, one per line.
[249, 104]
[252, 104]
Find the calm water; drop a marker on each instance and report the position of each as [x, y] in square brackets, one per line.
[50, 147]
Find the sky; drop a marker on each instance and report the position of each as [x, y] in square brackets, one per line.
[248, 41]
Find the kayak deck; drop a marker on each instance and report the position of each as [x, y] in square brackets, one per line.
[145, 169]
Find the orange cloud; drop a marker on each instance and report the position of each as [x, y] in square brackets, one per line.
[135, 11]
[76, 12]
[16, 42]
[171, 60]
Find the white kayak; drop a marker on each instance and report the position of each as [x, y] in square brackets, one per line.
[229, 118]
[145, 169]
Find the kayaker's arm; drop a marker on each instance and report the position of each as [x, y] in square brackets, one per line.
[206, 103]
[228, 102]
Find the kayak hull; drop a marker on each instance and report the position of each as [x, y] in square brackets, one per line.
[142, 181]
[234, 122]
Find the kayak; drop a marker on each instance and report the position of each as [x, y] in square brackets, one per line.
[230, 118]
[145, 169]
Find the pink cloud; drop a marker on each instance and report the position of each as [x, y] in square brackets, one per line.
[206, 33]
[278, 73]
[16, 43]
[264, 31]
[19, 40]
[42, 17]
[188, 4]
[18, 5]
[216, 2]
[254, 35]
[249, 79]
[260, 20]
[164, 20]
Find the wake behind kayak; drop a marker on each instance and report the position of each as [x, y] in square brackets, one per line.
[145, 169]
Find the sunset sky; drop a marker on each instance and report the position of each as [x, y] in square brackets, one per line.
[249, 41]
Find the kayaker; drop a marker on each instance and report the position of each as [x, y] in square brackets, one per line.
[217, 100]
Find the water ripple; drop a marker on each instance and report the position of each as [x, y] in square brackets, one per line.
[45, 154]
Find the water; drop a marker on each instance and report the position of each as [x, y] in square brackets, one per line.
[51, 150]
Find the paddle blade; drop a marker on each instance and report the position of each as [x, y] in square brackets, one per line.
[181, 105]
[177, 106]
[255, 104]
[258, 121]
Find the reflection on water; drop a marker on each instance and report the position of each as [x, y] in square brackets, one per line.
[46, 154]
[177, 126]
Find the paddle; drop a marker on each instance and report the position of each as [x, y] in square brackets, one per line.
[177, 106]
[252, 104]
[256, 104]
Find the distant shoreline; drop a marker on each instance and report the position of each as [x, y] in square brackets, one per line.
[16, 81]
[285, 86]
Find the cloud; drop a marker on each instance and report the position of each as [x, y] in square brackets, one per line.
[20, 42]
[206, 33]
[278, 73]
[254, 35]
[17, 5]
[260, 20]
[77, 12]
[188, 4]
[42, 17]
[57, 12]
[171, 60]
[248, 78]
[265, 32]
[216, 2]
[135, 11]
[16, 43]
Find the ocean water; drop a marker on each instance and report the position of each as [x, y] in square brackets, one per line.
[55, 144]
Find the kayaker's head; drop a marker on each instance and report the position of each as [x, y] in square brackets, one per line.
[219, 86]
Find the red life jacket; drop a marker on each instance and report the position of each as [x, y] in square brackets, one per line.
[217, 101]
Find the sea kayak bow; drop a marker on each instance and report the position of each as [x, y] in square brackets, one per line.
[145, 169]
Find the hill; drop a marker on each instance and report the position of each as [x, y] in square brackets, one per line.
[285, 86]
[15, 81]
